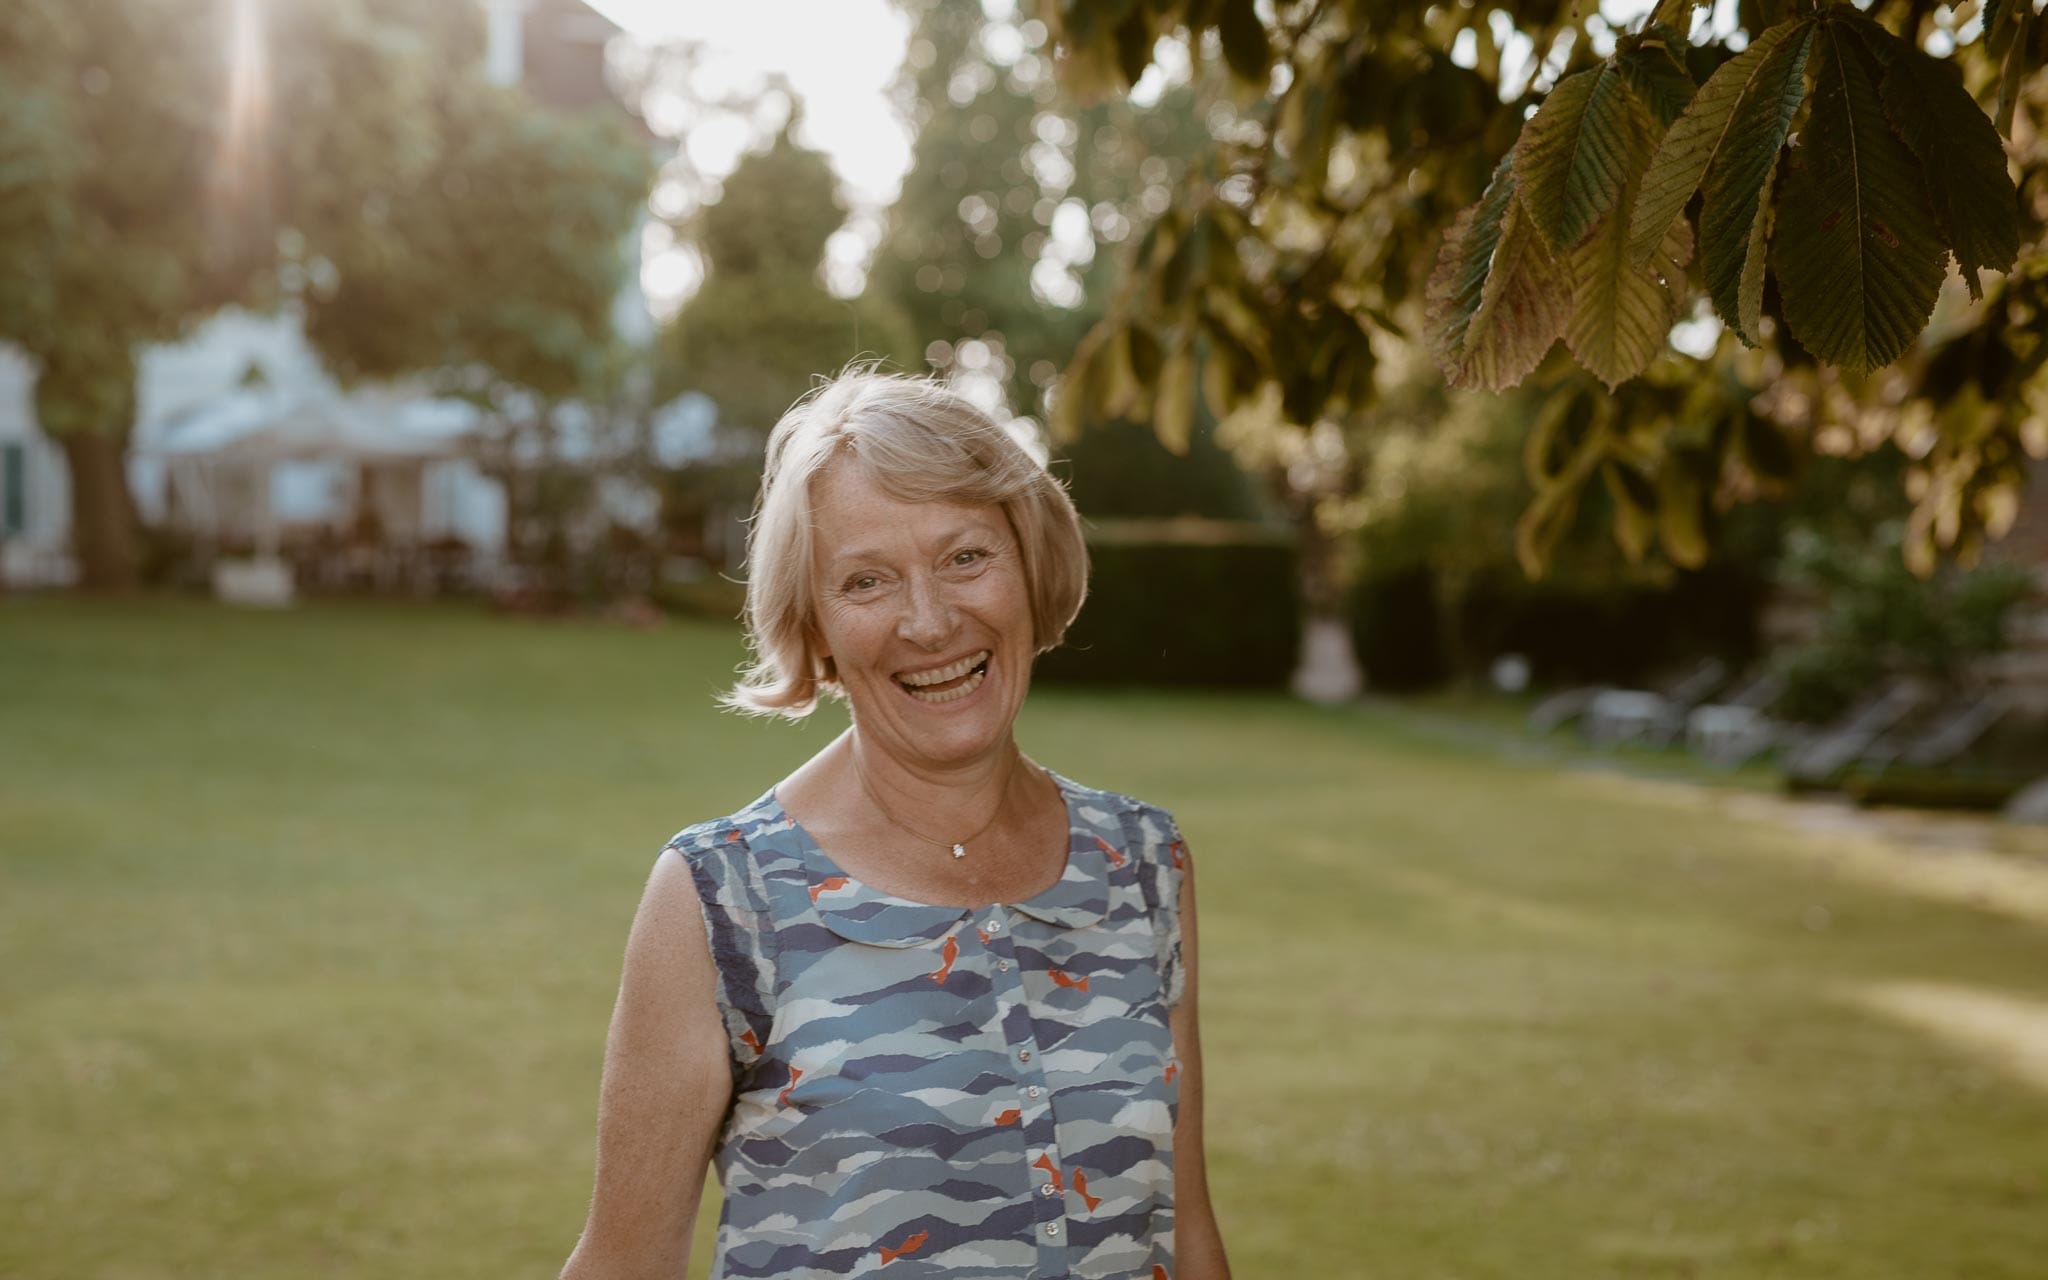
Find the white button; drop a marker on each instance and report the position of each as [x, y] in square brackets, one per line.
[1034, 1091]
[1002, 966]
[1048, 1190]
[1023, 1055]
[1052, 1228]
[995, 926]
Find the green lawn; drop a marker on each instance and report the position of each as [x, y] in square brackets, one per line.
[309, 925]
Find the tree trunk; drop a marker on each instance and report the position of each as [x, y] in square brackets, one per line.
[85, 401]
[103, 535]
[1328, 671]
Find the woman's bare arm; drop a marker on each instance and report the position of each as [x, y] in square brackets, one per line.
[666, 1087]
[1197, 1242]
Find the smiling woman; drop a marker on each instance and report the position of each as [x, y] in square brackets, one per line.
[913, 625]
[924, 1004]
[918, 455]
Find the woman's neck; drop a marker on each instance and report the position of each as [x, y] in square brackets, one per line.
[943, 803]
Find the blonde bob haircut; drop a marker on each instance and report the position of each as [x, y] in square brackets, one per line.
[921, 443]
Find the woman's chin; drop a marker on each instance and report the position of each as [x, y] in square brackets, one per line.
[952, 729]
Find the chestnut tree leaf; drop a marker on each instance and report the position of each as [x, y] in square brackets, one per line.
[1768, 72]
[1856, 248]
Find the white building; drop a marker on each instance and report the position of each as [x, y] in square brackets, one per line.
[217, 379]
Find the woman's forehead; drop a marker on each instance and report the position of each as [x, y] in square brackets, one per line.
[854, 496]
[853, 515]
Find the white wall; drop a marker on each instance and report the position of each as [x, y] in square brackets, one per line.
[41, 554]
[461, 500]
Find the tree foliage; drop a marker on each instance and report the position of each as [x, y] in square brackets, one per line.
[1808, 178]
[763, 326]
[966, 234]
[506, 256]
[970, 246]
[1002, 248]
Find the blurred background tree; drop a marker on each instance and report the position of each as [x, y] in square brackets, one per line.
[1001, 248]
[762, 326]
[360, 166]
[759, 331]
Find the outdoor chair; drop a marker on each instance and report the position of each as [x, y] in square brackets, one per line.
[1953, 731]
[1618, 716]
[1736, 730]
[1822, 759]
[1562, 707]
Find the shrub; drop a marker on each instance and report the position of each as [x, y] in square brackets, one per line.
[1822, 681]
[1879, 621]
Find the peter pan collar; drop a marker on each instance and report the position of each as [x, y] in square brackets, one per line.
[1079, 898]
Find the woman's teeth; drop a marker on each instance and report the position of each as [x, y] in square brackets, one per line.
[972, 683]
[947, 683]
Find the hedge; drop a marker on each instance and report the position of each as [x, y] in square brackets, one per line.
[1396, 628]
[1183, 602]
[1570, 633]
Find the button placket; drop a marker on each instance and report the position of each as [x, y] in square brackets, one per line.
[1007, 977]
[1042, 1151]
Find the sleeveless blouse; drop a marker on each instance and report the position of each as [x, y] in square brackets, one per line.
[927, 1091]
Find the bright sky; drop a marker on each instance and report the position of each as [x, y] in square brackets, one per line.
[840, 55]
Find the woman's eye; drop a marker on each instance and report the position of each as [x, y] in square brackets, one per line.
[862, 582]
[967, 555]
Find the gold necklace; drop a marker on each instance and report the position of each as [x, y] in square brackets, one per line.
[959, 847]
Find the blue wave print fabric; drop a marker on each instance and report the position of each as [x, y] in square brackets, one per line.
[924, 1091]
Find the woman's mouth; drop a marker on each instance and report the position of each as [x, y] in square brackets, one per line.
[949, 683]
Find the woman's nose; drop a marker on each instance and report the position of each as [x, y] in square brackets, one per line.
[928, 615]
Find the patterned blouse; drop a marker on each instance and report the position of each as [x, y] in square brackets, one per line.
[930, 1091]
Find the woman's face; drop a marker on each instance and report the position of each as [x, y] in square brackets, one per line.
[923, 609]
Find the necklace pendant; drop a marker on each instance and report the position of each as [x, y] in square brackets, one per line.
[959, 850]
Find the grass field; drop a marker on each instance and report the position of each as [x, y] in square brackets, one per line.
[309, 925]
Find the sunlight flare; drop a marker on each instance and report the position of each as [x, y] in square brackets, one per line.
[238, 165]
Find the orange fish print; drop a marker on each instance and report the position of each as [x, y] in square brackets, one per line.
[749, 1039]
[1115, 859]
[1159, 1273]
[827, 885]
[1081, 1189]
[1179, 850]
[911, 1245]
[1045, 1162]
[1061, 978]
[1172, 1070]
[984, 937]
[795, 1074]
[732, 837]
[1012, 1116]
[948, 955]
